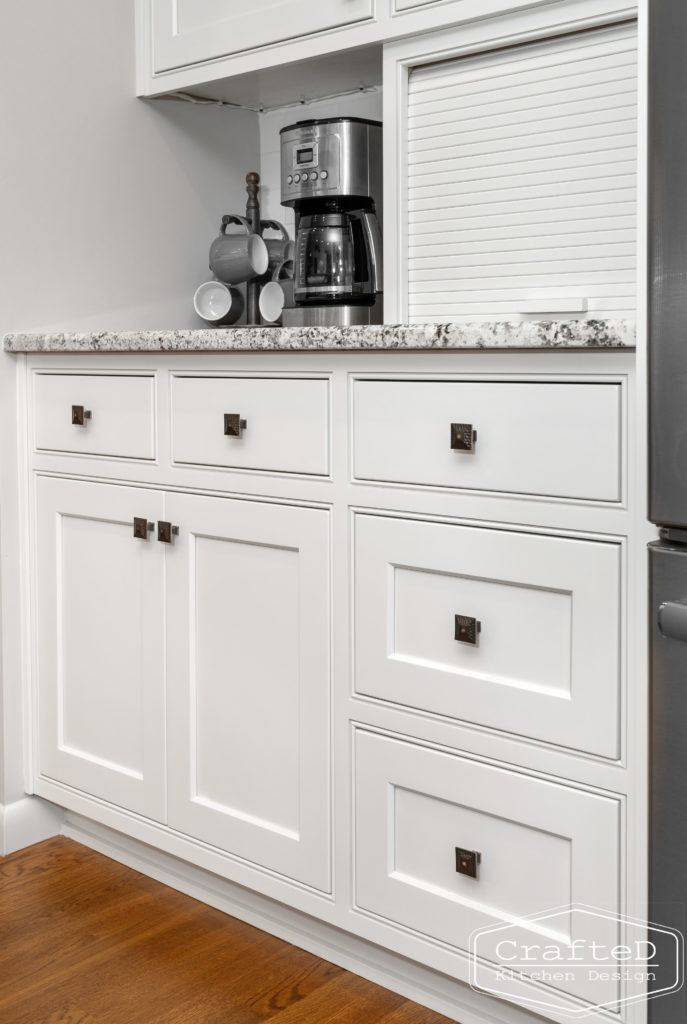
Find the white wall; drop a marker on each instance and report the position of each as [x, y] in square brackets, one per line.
[364, 104]
[108, 205]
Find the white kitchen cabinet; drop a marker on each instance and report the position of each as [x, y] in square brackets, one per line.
[190, 31]
[100, 642]
[279, 693]
[248, 681]
[277, 51]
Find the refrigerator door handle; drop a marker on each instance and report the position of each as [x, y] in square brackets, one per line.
[672, 620]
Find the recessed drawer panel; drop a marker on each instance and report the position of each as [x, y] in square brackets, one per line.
[532, 846]
[513, 631]
[95, 414]
[263, 423]
[550, 439]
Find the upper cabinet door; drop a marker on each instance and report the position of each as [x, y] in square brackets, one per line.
[248, 681]
[189, 31]
[100, 642]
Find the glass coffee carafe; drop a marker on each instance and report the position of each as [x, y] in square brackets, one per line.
[334, 256]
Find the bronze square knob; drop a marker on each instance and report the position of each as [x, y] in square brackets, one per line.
[467, 629]
[463, 437]
[233, 424]
[467, 861]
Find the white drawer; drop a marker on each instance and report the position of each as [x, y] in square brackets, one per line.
[543, 845]
[546, 663]
[286, 423]
[550, 439]
[121, 421]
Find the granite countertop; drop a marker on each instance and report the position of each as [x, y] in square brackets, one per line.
[539, 334]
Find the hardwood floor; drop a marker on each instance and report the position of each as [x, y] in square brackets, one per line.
[85, 940]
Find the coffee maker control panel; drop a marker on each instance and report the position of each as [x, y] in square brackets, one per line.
[311, 167]
[329, 158]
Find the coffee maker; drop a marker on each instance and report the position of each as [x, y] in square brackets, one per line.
[331, 174]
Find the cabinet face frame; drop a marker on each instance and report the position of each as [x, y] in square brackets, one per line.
[401, 56]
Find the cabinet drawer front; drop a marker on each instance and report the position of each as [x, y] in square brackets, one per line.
[286, 423]
[548, 651]
[189, 31]
[122, 420]
[550, 439]
[542, 845]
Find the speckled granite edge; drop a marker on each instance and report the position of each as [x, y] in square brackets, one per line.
[539, 334]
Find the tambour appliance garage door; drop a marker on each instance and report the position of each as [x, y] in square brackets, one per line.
[522, 180]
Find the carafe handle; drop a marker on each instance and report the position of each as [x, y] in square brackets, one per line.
[373, 238]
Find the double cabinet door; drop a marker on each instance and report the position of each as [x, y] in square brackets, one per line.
[187, 679]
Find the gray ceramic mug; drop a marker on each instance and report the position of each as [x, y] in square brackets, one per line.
[235, 258]
[278, 249]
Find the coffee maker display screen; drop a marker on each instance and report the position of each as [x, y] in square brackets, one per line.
[305, 156]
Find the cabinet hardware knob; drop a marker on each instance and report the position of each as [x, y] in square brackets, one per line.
[467, 630]
[80, 415]
[463, 437]
[467, 861]
[233, 424]
[165, 532]
[142, 528]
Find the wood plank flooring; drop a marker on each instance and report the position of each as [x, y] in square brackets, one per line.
[85, 940]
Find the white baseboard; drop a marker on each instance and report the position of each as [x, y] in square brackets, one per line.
[28, 821]
[437, 991]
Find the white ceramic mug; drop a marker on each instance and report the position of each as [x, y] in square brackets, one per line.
[236, 258]
[277, 293]
[217, 303]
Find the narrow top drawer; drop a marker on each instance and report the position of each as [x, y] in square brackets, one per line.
[540, 438]
[279, 424]
[95, 414]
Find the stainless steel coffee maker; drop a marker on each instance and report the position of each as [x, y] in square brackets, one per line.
[331, 174]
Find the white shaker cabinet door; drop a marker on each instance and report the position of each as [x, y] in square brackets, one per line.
[100, 642]
[248, 681]
[189, 31]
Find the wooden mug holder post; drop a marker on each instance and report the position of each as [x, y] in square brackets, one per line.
[253, 218]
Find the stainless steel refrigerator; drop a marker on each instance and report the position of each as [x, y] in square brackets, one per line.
[668, 475]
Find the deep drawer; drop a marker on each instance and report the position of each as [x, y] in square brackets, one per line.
[546, 662]
[121, 421]
[541, 845]
[540, 438]
[286, 423]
